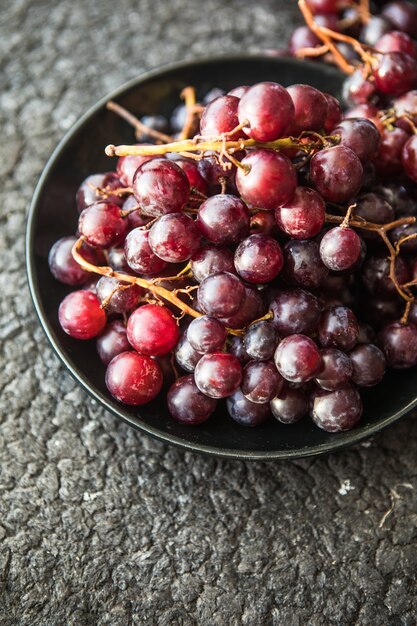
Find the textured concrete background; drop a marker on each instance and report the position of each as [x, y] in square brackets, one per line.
[102, 525]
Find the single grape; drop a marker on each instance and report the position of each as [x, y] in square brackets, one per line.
[211, 260]
[361, 136]
[161, 187]
[212, 94]
[340, 248]
[397, 41]
[245, 412]
[376, 278]
[269, 110]
[152, 330]
[139, 255]
[303, 37]
[406, 105]
[390, 151]
[185, 355]
[211, 170]
[89, 190]
[399, 344]
[395, 73]
[338, 328]
[336, 173]
[290, 405]
[135, 219]
[253, 308]
[261, 381]
[260, 340]
[357, 89]
[334, 113]
[336, 411]
[223, 219]
[64, 267]
[336, 370]
[409, 157]
[263, 223]
[195, 179]
[258, 259]
[218, 374]
[303, 266]
[174, 237]
[270, 182]
[220, 116]
[297, 358]
[368, 365]
[310, 107]
[133, 379]
[112, 341]
[236, 346]
[187, 404]
[221, 294]
[377, 26]
[372, 207]
[408, 247]
[81, 316]
[367, 111]
[116, 296]
[403, 15]
[303, 216]
[102, 225]
[206, 334]
[295, 311]
[238, 91]
[127, 167]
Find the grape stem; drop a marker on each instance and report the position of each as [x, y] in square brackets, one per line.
[140, 128]
[156, 290]
[192, 108]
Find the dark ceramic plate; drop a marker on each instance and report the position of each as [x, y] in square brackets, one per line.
[53, 215]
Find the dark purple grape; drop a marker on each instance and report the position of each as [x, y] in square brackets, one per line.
[253, 308]
[303, 216]
[270, 182]
[223, 219]
[221, 294]
[368, 363]
[390, 151]
[399, 344]
[261, 381]
[340, 248]
[303, 37]
[258, 259]
[112, 341]
[336, 370]
[206, 334]
[174, 238]
[361, 136]
[377, 26]
[139, 256]
[376, 278]
[336, 411]
[260, 340]
[338, 328]
[161, 187]
[218, 374]
[290, 405]
[295, 311]
[64, 267]
[303, 266]
[235, 346]
[372, 207]
[410, 246]
[409, 157]
[297, 358]
[185, 355]
[211, 260]
[269, 110]
[187, 404]
[336, 173]
[245, 412]
[116, 296]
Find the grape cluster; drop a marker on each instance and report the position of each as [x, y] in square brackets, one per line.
[262, 252]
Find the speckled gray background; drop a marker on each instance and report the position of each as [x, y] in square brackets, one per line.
[102, 525]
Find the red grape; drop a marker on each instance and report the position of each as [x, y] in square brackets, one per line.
[223, 219]
[210, 260]
[336, 411]
[399, 344]
[258, 259]
[368, 363]
[340, 248]
[295, 311]
[336, 370]
[187, 404]
[81, 316]
[336, 173]
[220, 116]
[133, 379]
[218, 374]
[310, 107]
[303, 216]
[174, 237]
[245, 412]
[297, 358]
[139, 255]
[290, 405]
[206, 334]
[112, 341]
[338, 328]
[161, 187]
[152, 330]
[221, 294]
[102, 225]
[269, 110]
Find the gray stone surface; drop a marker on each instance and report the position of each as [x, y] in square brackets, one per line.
[102, 525]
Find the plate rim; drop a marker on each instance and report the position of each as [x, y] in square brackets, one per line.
[351, 437]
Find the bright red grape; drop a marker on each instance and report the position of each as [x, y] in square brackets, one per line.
[152, 330]
[81, 316]
[133, 379]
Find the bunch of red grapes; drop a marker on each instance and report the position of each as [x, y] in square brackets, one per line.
[261, 248]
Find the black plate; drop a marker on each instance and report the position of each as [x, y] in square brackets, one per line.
[53, 215]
